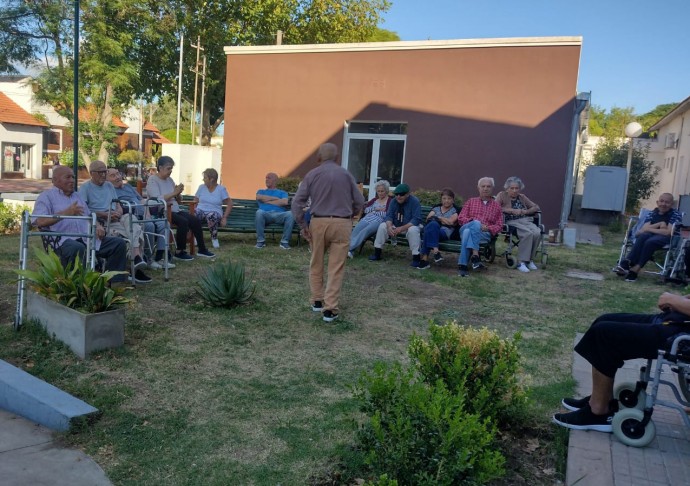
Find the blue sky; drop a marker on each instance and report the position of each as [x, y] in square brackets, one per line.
[634, 53]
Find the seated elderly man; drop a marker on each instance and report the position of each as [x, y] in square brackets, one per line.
[480, 219]
[404, 216]
[126, 192]
[99, 194]
[611, 340]
[273, 209]
[61, 200]
[653, 236]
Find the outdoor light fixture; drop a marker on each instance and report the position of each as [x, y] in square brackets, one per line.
[632, 131]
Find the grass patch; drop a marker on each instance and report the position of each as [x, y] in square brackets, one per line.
[260, 394]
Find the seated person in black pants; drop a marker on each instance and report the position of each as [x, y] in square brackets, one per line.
[653, 236]
[161, 185]
[61, 199]
[612, 339]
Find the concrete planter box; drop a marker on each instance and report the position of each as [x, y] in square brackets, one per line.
[83, 333]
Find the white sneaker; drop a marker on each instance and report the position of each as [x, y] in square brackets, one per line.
[215, 243]
[532, 266]
[350, 255]
[523, 268]
[155, 266]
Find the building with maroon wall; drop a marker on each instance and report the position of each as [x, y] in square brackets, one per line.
[432, 114]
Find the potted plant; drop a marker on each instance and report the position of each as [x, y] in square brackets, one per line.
[75, 304]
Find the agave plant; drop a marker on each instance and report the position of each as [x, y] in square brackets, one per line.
[226, 285]
[73, 286]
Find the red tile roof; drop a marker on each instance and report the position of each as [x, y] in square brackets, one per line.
[11, 112]
[158, 138]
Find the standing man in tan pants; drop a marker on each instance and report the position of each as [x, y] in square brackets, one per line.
[335, 198]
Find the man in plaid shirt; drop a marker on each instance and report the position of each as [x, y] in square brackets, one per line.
[480, 219]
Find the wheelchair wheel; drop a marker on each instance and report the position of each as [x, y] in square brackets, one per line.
[684, 383]
[628, 429]
[544, 259]
[627, 398]
[511, 262]
[490, 253]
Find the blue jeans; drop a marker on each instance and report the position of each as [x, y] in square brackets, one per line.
[471, 236]
[274, 217]
[645, 246]
[433, 234]
[362, 231]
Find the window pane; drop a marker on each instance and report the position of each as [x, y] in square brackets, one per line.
[359, 159]
[391, 161]
[378, 128]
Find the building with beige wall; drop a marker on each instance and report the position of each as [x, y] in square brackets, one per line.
[432, 113]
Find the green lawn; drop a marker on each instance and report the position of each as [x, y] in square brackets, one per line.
[260, 394]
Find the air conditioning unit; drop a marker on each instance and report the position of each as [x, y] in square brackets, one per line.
[671, 141]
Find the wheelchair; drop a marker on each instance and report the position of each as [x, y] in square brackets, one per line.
[510, 237]
[633, 424]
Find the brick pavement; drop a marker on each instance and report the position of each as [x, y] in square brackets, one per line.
[599, 459]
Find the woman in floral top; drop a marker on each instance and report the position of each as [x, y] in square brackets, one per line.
[518, 213]
[374, 214]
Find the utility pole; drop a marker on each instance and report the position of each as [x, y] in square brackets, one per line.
[203, 90]
[179, 91]
[196, 80]
[75, 122]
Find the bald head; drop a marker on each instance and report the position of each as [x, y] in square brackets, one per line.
[327, 151]
[63, 179]
[60, 170]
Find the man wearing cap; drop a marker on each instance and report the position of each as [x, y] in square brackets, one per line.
[99, 194]
[480, 219]
[335, 197]
[404, 217]
[273, 209]
[61, 200]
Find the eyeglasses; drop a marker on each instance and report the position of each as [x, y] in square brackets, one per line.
[401, 195]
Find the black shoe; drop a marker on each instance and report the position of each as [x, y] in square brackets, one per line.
[423, 265]
[183, 255]
[139, 263]
[141, 277]
[376, 256]
[438, 258]
[317, 306]
[625, 264]
[462, 271]
[329, 316]
[631, 276]
[476, 263]
[415, 261]
[574, 404]
[205, 254]
[584, 419]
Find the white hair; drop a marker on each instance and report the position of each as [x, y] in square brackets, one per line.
[490, 179]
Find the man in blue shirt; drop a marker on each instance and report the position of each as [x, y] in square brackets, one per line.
[273, 209]
[404, 216]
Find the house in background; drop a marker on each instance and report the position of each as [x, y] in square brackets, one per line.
[432, 113]
[21, 141]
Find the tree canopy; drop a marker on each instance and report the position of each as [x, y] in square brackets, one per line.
[612, 123]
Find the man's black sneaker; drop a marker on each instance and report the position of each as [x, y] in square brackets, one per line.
[317, 306]
[139, 263]
[631, 276]
[476, 263]
[462, 271]
[438, 258]
[329, 316]
[205, 254]
[423, 265]
[141, 277]
[183, 255]
[584, 419]
[574, 404]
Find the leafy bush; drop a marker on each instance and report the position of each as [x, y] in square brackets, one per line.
[432, 197]
[73, 286]
[67, 158]
[421, 434]
[476, 363]
[225, 285]
[435, 421]
[185, 136]
[382, 481]
[11, 218]
[288, 184]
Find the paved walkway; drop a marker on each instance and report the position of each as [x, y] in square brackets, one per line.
[599, 459]
[30, 455]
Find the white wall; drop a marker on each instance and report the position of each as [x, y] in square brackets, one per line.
[28, 135]
[190, 162]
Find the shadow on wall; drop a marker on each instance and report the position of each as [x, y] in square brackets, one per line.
[444, 151]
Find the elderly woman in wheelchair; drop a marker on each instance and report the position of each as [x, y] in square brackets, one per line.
[518, 214]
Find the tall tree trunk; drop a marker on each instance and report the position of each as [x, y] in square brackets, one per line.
[106, 122]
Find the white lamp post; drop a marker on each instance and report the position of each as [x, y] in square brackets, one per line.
[632, 131]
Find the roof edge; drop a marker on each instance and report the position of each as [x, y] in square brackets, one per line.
[680, 107]
[408, 45]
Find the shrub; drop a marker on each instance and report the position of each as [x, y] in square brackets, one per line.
[432, 197]
[288, 184]
[67, 158]
[420, 433]
[11, 218]
[225, 285]
[476, 363]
